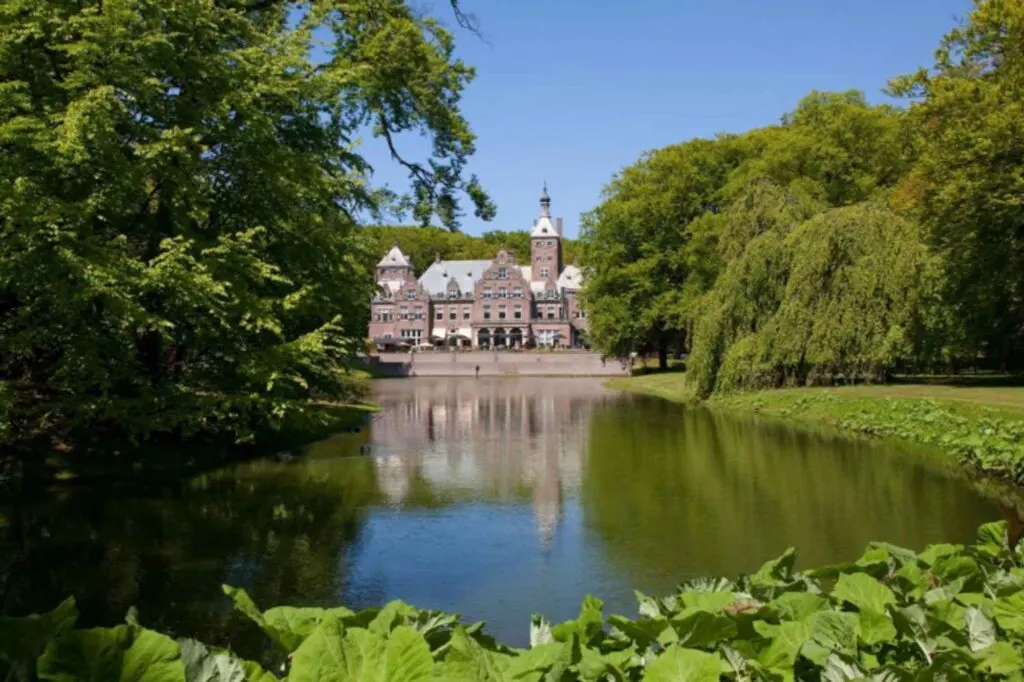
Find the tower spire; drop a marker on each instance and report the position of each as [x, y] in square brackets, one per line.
[545, 201]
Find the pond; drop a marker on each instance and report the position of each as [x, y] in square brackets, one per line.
[493, 498]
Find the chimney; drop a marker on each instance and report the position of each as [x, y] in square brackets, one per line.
[558, 226]
[437, 256]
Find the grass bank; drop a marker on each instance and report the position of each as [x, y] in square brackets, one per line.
[981, 425]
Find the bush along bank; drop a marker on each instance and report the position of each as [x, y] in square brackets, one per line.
[950, 612]
[986, 441]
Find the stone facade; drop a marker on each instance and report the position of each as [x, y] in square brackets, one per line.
[484, 304]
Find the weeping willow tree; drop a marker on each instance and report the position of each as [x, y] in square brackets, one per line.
[844, 294]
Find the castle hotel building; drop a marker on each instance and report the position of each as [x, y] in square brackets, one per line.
[482, 303]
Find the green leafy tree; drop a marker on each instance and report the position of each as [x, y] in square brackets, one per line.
[177, 248]
[967, 187]
[642, 249]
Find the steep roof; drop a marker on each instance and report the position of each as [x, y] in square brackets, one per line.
[465, 272]
[394, 258]
[544, 228]
[571, 278]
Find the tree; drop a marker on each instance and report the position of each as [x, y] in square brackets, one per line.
[177, 186]
[639, 250]
[967, 186]
[840, 295]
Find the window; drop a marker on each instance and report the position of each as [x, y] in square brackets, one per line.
[487, 312]
[549, 257]
[501, 312]
[545, 272]
[537, 258]
[502, 292]
[413, 334]
[551, 312]
[385, 314]
[467, 312]
[403, 313]
[487, 292]
[410, 294]
[517, 292]
[417, 313]
[439, 313]
[502, 273]
[517, 312]
[453, 313]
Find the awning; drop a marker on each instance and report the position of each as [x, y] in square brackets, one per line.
[438, 333]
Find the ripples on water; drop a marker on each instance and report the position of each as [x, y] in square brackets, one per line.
[494, 498]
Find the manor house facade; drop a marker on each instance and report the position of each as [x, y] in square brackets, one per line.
[482, 303]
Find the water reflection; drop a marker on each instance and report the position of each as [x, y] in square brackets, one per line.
[495, 498]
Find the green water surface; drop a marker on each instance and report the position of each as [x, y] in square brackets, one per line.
[493, 498]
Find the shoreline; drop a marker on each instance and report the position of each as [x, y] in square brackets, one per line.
[985, 438]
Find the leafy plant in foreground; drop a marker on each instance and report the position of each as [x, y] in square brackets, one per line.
[948, 613]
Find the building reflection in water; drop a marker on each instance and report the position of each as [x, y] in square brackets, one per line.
[497, 439]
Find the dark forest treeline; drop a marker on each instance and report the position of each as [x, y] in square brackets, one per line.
[844, 243]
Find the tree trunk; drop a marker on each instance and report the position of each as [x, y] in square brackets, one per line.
[662, 352]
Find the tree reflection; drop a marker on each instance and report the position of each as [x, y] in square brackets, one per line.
[695, 492]
[283, 530]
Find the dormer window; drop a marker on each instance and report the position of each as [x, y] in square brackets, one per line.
[502, 273]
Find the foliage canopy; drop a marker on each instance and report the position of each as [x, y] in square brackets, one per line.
[177, 247]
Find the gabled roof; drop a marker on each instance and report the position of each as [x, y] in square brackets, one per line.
[394, 258]
[465, 272]
[544, 228]
[571, 278]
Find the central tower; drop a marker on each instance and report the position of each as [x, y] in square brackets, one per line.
[546, 244]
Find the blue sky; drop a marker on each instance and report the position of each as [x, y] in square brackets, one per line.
[570, 91]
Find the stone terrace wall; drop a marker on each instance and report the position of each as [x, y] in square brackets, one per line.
[496, 363]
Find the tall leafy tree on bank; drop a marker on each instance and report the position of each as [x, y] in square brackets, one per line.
[658, 240]
[646, 259]
[967, 187]
[176, 190]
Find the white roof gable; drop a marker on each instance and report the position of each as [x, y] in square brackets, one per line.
[394, 258]
[543, 228]
[571, 278]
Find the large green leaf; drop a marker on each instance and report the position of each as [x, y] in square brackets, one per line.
[863, 591]
[840, 669]
[407, 657]
[678, 664]
[796, 605]
[1009, 613]
[875, 627]
[707, 601]
[644, 631]
[125, 653]
[203, 664]
[777, 570]
[332, 654]
[22, 640]
[836, 631]
[700, 629]
[536, 659]
[981, 632]
[286, 626]
[466, 661]
[1002, 658]
[787, 638]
